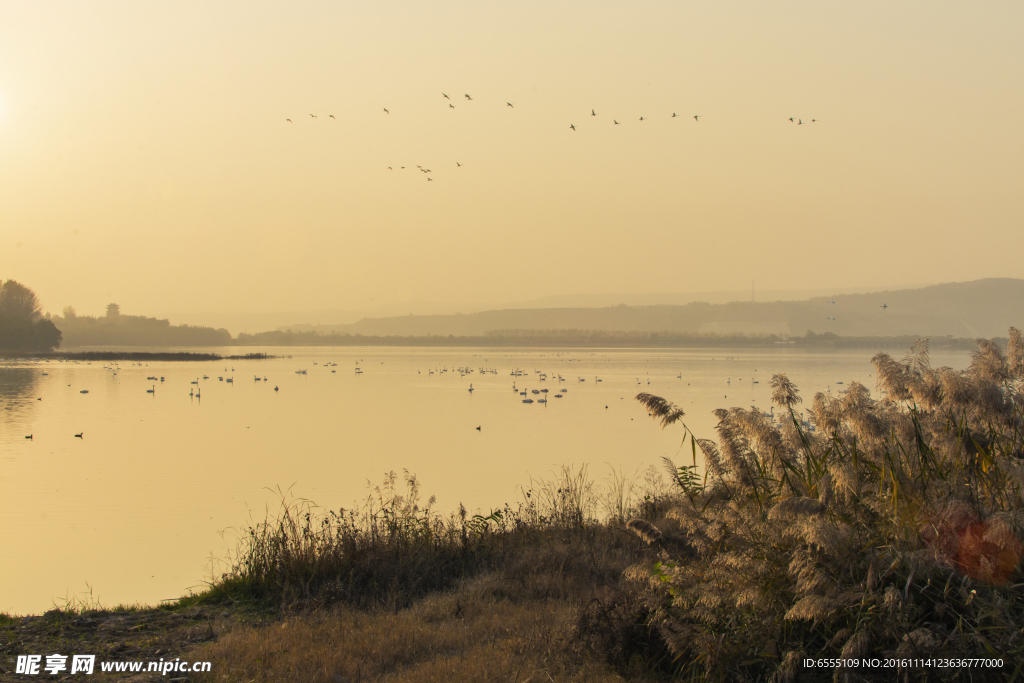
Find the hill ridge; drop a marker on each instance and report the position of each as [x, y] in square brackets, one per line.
[979, 308]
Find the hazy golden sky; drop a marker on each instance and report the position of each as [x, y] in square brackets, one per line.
[145, 157]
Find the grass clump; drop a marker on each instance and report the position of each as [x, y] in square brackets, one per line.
[890, 530]
[396, 548]
[396, 591]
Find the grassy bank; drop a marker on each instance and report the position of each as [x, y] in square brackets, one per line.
[394, 591]
[397, 592]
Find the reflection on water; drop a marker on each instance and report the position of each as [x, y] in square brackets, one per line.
[18, 394]
[157, 473]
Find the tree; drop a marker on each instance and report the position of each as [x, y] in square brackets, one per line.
[45, 336]
[113, 310]
[19, 334]
[70, 313]
[18, 301]
[21, 326]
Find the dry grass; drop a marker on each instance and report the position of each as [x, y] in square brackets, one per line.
[487, 629]
[394, 550]
[394, 591]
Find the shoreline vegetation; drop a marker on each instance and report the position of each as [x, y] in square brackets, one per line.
[603, 339]
[23, 327]
[134, 356]
[185, 337]
[891, 531]
[567, 339]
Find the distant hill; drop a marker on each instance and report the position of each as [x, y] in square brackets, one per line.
[308, 319]
[980, 308]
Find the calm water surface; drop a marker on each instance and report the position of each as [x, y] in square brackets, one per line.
[137, 507]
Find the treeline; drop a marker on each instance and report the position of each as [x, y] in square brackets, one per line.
[830, 340]
[510, 338]
[593, 338]
[22, 327]
[116, 329]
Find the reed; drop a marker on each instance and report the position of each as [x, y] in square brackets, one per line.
[891, 530]
[395, 548]
[394, 590]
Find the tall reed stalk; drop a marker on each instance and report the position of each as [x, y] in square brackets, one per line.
[891, 530]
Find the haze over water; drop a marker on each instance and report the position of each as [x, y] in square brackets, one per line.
[146, 155]
[134, 507]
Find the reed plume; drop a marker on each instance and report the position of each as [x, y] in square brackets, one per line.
[893, 524]
[645, 530]
[661, 410]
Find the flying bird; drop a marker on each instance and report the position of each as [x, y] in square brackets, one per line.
[673, 114]
[572, 126]
[452, 106]
[468, 97]
[390, 169]
[814, 120]
[386, 110]
[696, 118]
[458, 164]
[641, 118]
[509, 104]
[288, 120]
[615, 122]
[313, 115]
[332, 116]
[429, 179]
[446, 97]
[593, 113]
[791, 120]
[884, 306]
[799, 122]
[832, 318]
[79, 435]
[831, 301]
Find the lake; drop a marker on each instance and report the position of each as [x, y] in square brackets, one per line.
[137, 507]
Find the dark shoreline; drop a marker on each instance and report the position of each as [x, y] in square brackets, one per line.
[136, 356]
[611, 341]
[568, 341]
[597, 340]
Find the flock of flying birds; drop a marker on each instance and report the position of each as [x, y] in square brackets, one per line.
[572, 126]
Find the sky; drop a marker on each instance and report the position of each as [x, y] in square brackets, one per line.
[146, 157]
